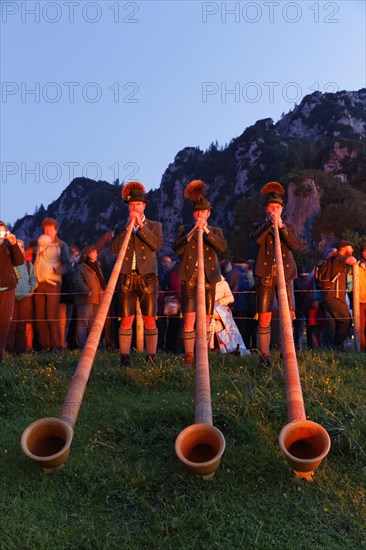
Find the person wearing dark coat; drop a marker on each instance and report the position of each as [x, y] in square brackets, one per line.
[185, 246]
[241, 282]
[139, 272]
[265, 265]
[89, 286]
[10, 256]
[336, 314]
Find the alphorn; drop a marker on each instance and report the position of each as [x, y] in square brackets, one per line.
[201, 445]
[47, 441]
[303, 442]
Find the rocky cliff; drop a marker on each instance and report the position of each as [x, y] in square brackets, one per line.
[317, 151]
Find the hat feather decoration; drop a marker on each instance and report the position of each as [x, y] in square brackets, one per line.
[195, 190]
[273, 187]
[132, 187]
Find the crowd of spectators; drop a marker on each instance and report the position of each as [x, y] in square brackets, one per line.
[50, 293]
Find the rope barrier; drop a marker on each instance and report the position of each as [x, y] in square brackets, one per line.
[160, 316]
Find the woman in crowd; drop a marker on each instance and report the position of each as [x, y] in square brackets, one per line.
[89, 286]
[223, 325]
[20, 337]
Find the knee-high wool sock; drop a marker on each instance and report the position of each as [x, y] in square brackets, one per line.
[151, 340]
[125, 338]
[189, 339]
[264, 336]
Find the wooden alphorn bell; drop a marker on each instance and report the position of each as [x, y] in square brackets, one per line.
[303, 442]
[201, 445]
[47, 441]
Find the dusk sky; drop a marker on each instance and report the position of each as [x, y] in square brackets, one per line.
[114, 89]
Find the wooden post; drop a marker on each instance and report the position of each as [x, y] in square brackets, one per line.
[139, 328]
[356, 306]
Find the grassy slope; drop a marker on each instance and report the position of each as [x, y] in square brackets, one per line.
[123, 487]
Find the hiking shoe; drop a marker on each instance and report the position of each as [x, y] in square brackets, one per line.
[264, 362]
[189, 360]
[124, 361]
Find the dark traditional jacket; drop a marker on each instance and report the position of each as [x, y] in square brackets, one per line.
[144, 242]
[263, 236]
[339, 278]
[10, 255]
[212, 243]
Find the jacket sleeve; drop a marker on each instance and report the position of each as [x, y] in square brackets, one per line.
[181, 241]
[65, 256]
[216, 239]
[79, 286]
[227, 297]
[104, 240]
[152, 235]
[260, 232]
[16, 255]
[289, 237]
[116, 244]
[338, 264]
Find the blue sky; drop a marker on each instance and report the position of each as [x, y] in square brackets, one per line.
[112, 89]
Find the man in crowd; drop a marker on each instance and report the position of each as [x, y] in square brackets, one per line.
[48, 292]
[10, 256]
[138, 277]
[265, 266]
[185, 246]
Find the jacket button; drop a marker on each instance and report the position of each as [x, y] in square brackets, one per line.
[126, 259]
[287, 265]
[207, 249]
[189, 257]
[142, 248]
[187, 267]
[267, 252]
[212, 268]
[270, 242]
[193, 246]
[144, 257]
[265, 263]
[210, 258]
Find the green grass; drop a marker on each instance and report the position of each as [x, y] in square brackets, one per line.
[123, 486]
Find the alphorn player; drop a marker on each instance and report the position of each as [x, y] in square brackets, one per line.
[265, 265]
[185, 246]
[139, 272]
